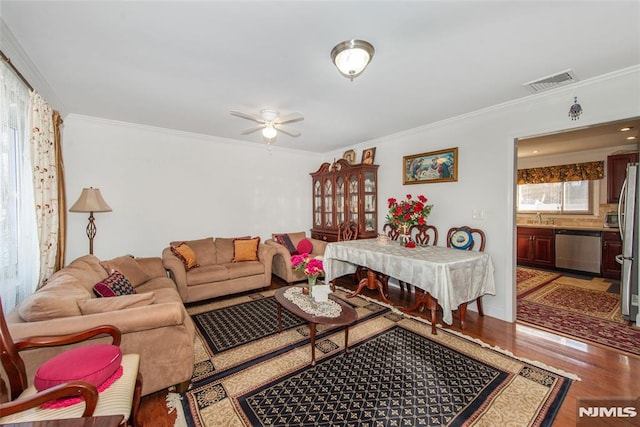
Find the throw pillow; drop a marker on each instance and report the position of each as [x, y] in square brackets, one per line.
[186, 255]
[245, 249]
[107, 305]
[285, 241]
[92, 363]
[128, 266]
[305, 246]
[114, 285]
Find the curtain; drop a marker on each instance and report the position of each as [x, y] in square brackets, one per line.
[45, 183]
[19, 253]
[62, 201]
[562, 173]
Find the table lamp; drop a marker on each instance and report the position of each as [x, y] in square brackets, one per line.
[90, 201]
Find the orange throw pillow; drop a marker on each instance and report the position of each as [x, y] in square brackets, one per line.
[245, 249]
[186, 255]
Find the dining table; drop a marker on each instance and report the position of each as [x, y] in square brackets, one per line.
[453, 277]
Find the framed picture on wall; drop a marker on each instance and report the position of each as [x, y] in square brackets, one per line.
[435, 166]
[350, 156]
[368, 156]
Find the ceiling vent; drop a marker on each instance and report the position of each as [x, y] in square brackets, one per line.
[551, 82]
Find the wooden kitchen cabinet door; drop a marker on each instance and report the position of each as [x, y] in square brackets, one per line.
[616, 173]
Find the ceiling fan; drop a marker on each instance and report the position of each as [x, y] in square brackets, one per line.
[270, 122]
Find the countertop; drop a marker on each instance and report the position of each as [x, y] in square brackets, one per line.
[569, 227]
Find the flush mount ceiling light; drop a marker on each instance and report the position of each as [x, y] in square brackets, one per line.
[351, 57]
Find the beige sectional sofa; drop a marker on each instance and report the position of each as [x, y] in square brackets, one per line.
[282, 259]
[153, 322]
[217, 273]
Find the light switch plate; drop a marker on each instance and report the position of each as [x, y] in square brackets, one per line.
[477, 214]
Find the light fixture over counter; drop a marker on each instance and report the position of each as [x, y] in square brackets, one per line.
[351, 57]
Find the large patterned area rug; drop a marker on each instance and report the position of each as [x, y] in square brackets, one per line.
[576, 308]
[247, 374]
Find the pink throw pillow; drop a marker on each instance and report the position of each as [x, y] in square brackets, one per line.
[93, 364]
[305, 246]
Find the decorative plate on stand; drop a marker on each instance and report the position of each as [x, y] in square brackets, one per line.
[461, 239]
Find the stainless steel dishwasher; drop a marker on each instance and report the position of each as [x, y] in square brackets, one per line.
[579, 250]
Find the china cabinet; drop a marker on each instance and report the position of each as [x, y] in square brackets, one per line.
[344, 192]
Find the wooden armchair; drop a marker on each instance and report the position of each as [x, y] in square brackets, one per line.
[22, 402]
[347, 230]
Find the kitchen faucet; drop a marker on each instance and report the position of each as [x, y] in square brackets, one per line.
[539, 217]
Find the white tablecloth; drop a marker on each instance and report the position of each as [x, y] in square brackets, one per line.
[452, 276]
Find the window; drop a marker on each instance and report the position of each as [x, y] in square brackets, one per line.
[19, 253]
[571, 197]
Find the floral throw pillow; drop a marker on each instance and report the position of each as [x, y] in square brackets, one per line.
[114, 285]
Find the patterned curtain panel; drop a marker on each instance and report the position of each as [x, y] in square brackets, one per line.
[573, 172]
[45, 182]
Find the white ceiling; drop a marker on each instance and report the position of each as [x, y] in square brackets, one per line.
[184, 64]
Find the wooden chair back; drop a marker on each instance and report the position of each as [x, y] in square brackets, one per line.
[347, 230]
[479, 238]
[12, 363]
[391, 232]
[424, 234]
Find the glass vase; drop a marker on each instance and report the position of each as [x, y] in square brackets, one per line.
[311, 280]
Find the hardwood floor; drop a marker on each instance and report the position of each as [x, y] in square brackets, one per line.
[604, 372]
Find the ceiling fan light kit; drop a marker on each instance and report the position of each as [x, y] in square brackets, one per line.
[270, 122]
[351, 57]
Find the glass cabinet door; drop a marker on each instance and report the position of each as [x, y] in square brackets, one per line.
[340, 200]
[370, 201]
[317, 203]
[353, 198]
[328, 202]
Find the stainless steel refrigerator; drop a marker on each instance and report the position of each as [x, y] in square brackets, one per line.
[628, 219]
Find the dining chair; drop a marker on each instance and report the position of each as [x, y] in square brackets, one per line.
[424, 234]
[466, 238]
[23, 403]
[463, 238]
[347, 230]
[390, 231]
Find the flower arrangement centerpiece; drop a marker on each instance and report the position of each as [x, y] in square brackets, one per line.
[408, 212]
[312, 267]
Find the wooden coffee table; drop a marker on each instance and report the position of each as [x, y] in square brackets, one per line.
[346, 318]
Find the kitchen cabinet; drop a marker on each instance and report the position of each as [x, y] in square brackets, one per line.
[616, 173]
[344, 192]
[611, 246]
[536, 247]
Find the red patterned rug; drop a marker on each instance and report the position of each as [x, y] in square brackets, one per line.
[581, 313]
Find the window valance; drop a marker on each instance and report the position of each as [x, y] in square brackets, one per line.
[562, 173]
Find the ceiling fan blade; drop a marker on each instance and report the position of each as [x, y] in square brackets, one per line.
[289, 118]
[246, 116]
[251, 130]
[289, 132]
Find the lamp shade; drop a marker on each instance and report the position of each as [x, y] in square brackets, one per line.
[351, 57]
[90, 201]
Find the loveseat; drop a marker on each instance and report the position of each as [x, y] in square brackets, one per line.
[284, 248]
[153, 320]
[209, 268]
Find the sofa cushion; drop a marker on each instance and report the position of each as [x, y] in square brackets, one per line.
[207, 274]
[245, 269]
[48, 304]
[245, 249]
[186, 255]
[205, 250]
[128, 266]
[224, 248]
[114, 285]
[305, 246]
[106, 305]
[83, 273]
[285, 240]
[92, 363]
